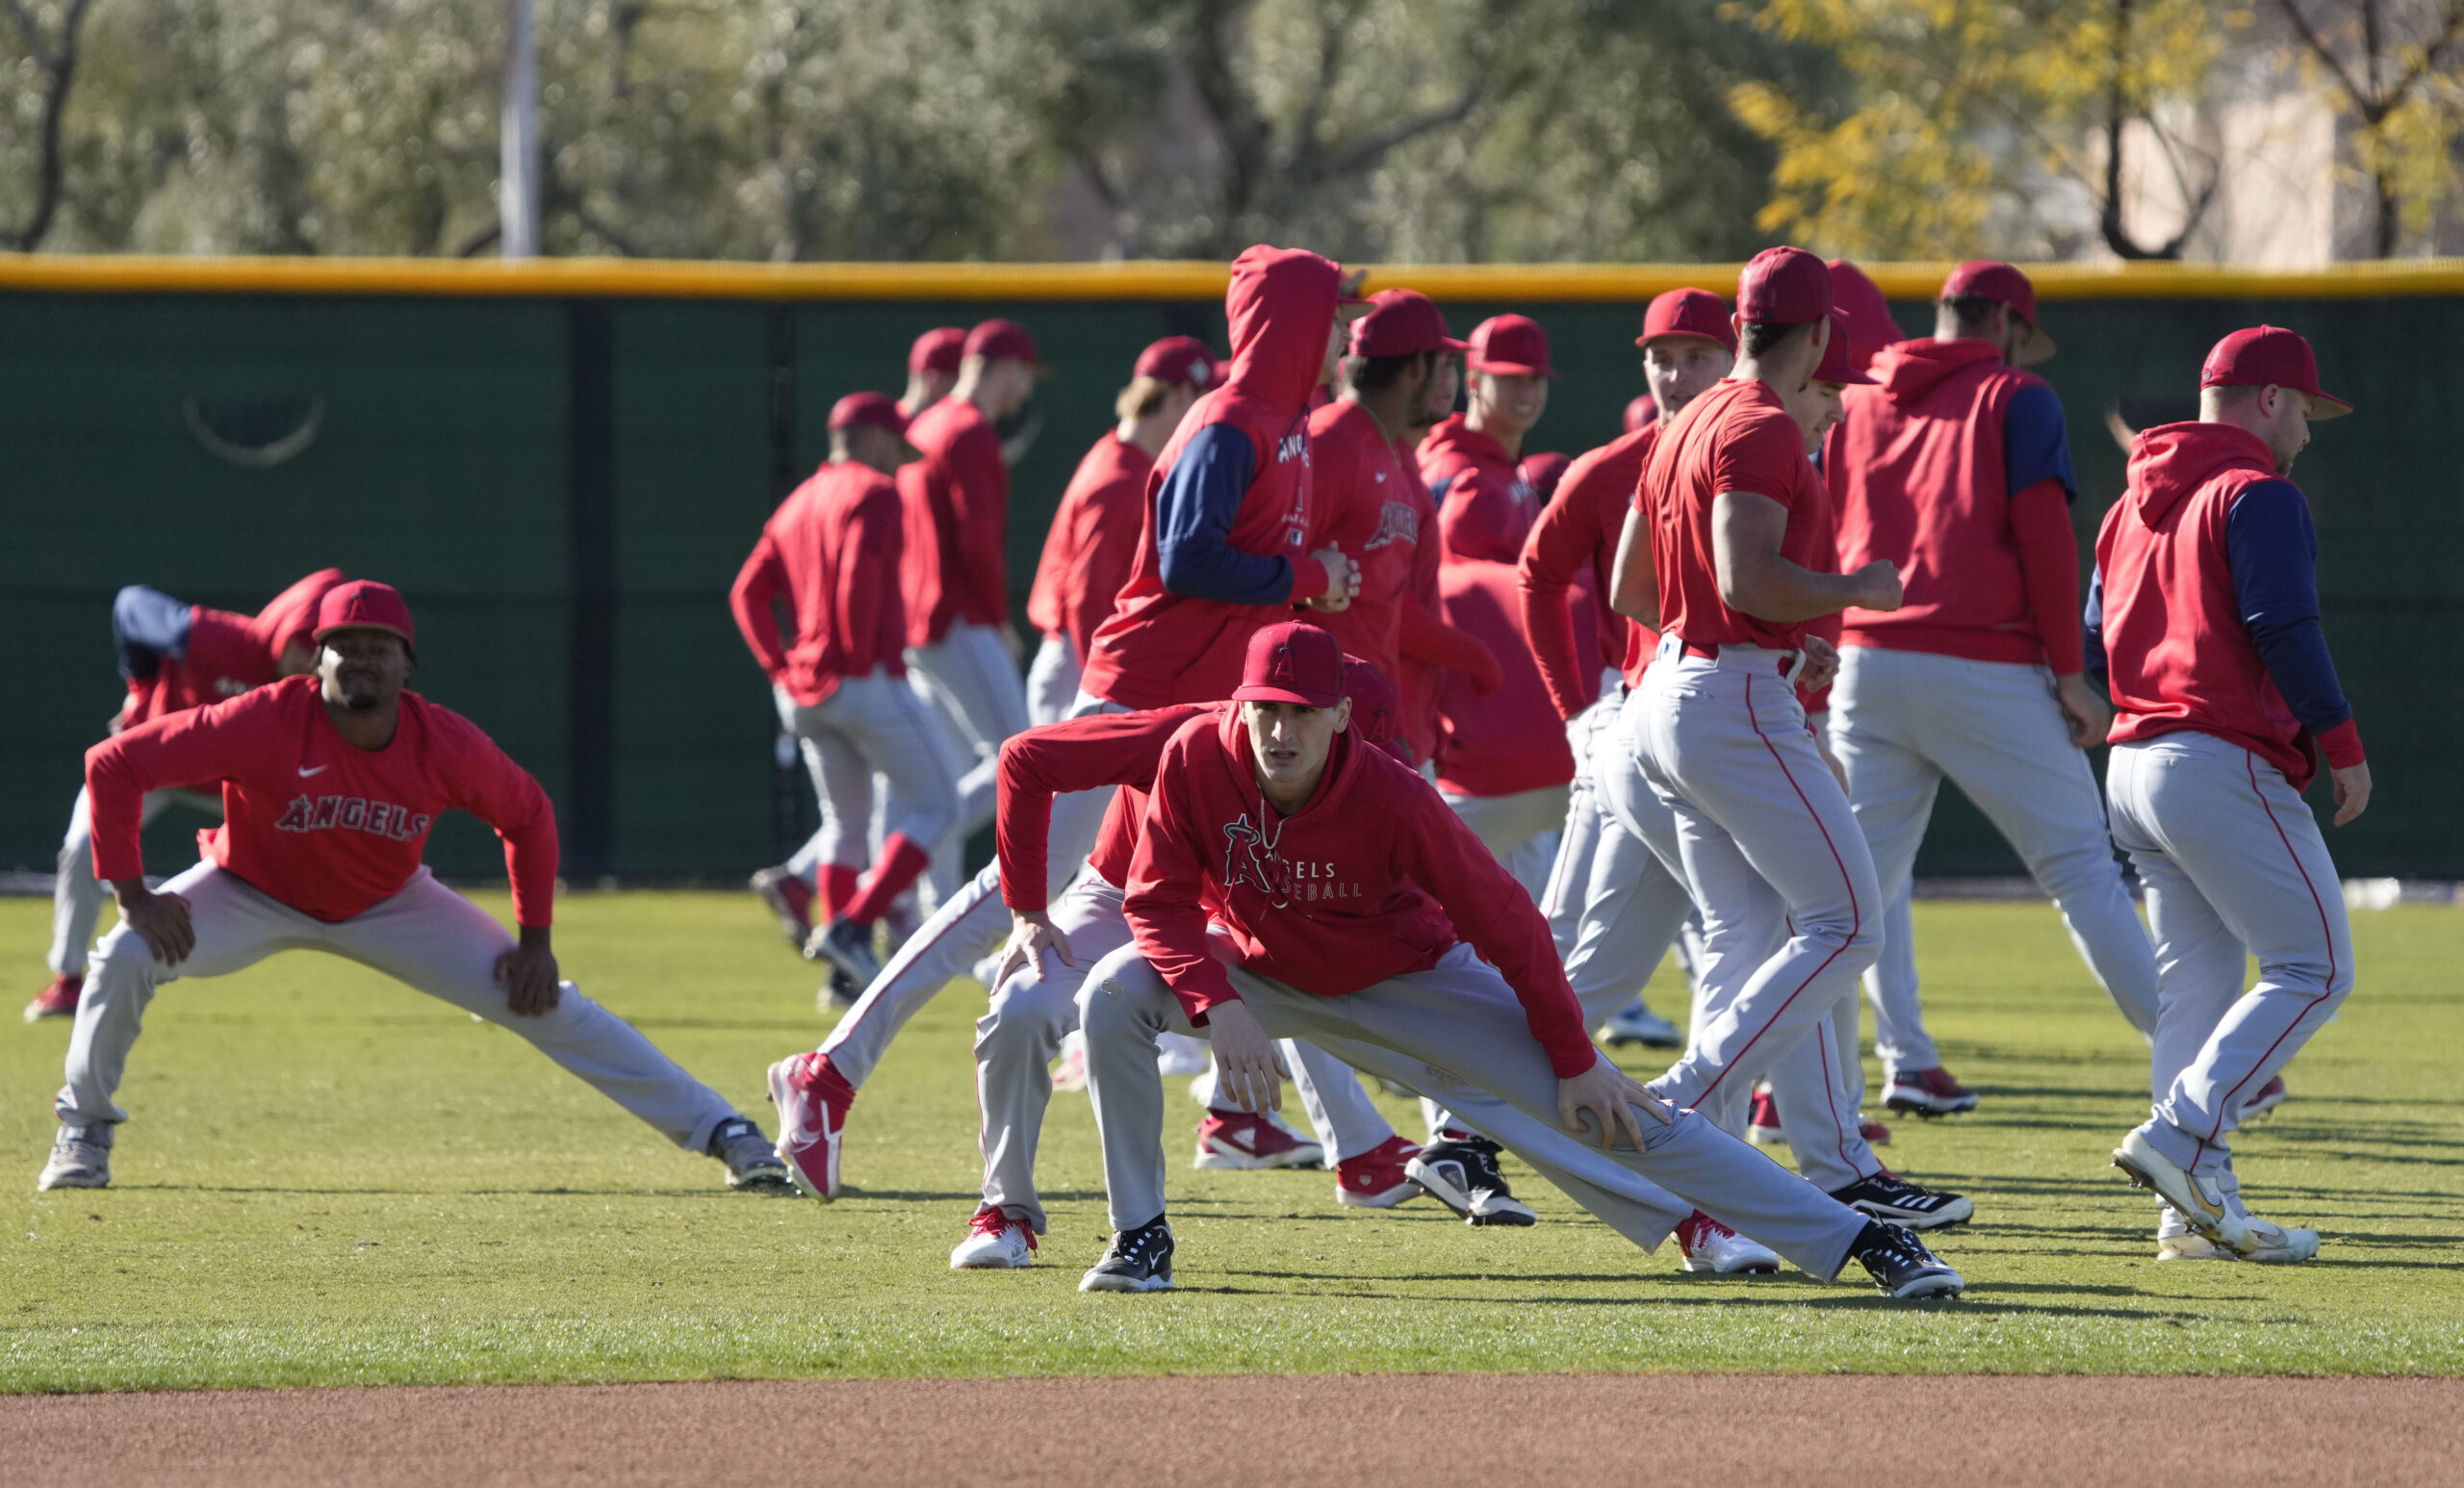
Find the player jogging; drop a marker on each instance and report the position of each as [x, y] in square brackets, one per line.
[175, 656]
[1736, 569]
[1614, 907]
[1094, 536]
[1954, 469]
[1352, 909]
[330, 783]
[830, 553]
[2204, 616]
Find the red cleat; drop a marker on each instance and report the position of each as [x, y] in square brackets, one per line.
[59, 1000]
[1376, 1179]
[1875, 1133]
[1763, 1128]
[1928, 1093]
[790, 898]
[2269, 1096]
[1237, 1139]
[812, 1100]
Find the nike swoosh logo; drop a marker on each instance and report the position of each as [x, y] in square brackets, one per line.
[306, 771]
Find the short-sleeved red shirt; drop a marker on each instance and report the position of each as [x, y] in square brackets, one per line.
[1736, 437]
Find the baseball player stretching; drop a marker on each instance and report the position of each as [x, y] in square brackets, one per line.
[174, 658]
[1349, 907]
[1954, 469]
[1095, 534]
[1734, 560]
[1613, 906]
[329, 785]
[2205, 616]
[831, 554]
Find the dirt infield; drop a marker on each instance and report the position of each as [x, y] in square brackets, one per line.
[1364, 1431]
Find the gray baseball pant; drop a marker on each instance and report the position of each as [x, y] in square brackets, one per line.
[966, 927]
[77, 896]
[426, 937]
[1454, 1031]
[1903, 721]
[1518, 829]
[968, 673]
[870, 724]
[1052, 681]
[1561, 899]
[1767, 838]
[2235, 867]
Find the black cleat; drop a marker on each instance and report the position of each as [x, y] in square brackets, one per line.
[1462, 1174]
[1895, 1201]
[1139, 1260]
[1901, 1266]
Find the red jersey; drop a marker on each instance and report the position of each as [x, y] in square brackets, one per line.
[1511, 739]
[1572, 548]
[1920, 477]
[228, 653]
[1736, 437]
[1093, 538]
[1368, 503]
[1161, 646]
[960, 493]
[1080, 754]
[312, 821]
[2173, 618]
[832, 550]
[1485, 505]
[1371, 879]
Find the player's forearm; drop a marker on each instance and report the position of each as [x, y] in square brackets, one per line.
[2049, 570]
[1548, 620]
[1769, 587]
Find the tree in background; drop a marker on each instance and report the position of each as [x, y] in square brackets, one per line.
[2395, 70]
[1979, 126]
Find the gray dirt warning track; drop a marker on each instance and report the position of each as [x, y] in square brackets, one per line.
[1360, 1431]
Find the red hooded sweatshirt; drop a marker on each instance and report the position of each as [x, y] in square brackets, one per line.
[310, 819]
[1511, 739]
[958, 499]
[2204, 603]
[1226, 525]
[227, 653]
[1572, 549]
[1371, 879]
[1921, 471]
[833, 550]
[1485, 503]
[1087, 553]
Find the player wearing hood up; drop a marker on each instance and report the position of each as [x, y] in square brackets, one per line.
[175, 656]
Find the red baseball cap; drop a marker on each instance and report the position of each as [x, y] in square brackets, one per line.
[1689, 312]
[1510, 346]
[1870, 326]
[939, 350]
[2000, 281]
[999, 340]
[1784, 287]
[1542, 471]
[1641, 411]
[1840, 360]
[878, 409]
[1293, 662]
[1401, 323]
[1376, 706]
[2264, 354]
[1182, 359]
[363, 604]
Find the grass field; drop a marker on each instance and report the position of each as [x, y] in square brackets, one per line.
[330, 1179]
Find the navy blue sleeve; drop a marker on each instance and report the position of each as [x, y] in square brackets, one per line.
[148, 625]
[2036, 443]
[1194, 511]
[2274, 553]
[2099, 665]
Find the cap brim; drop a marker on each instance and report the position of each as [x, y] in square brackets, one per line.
[1262, 693]
[321, 631]
[1514, 369]
[1709, 341]
[1856, 378]
[2037, 348]
[2323, 406]
[1348, 311]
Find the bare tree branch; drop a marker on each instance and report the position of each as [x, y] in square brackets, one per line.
[1365, 152]
[59, 63]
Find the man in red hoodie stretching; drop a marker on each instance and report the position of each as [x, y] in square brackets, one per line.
[2204, 618]
[175, 656]
[1956, 469]
[1350, 908]
[830, 554]
[330, 783]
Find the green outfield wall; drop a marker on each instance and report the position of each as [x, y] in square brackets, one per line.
[562, 466]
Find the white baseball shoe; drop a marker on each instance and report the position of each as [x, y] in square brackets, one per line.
[2200, 1201]
[994, 1241]
[1706, 1245]
[1635, 1023]
[2272, 1245]
[81, 1158]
